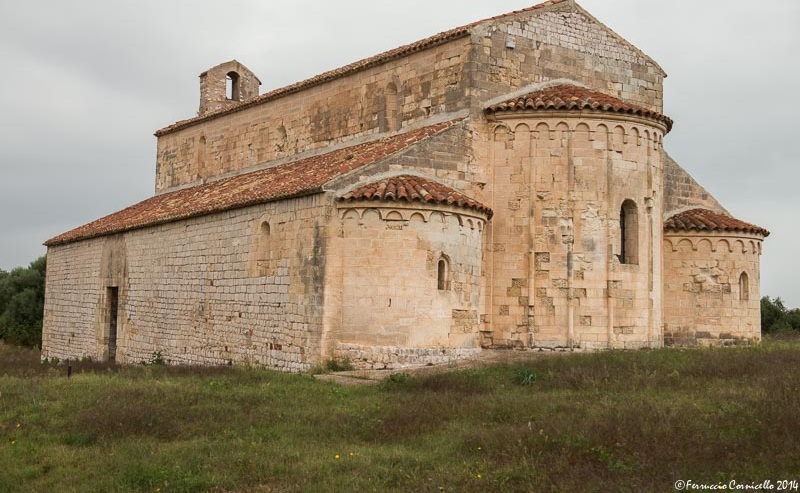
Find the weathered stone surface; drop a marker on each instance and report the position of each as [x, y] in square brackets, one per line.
[711, 288]
[563, 247]
[189, 290]
[681, 191]
[391, 357]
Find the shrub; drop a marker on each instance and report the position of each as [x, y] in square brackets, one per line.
[339, 365]
[155, 359]
[524, 376]
[398, 378]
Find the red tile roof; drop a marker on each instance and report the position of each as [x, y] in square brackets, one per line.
[575, 98]
[414, 189]
[399, 52]
[706, 220]
[294, 179]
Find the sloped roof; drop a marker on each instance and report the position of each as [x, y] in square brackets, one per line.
[700, 220]
[297, 178]
[569, 97]
[393, 54]
[414, 189]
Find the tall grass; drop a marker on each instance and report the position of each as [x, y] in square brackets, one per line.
[612, 421]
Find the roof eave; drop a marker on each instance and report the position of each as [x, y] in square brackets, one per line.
[758, 232]
[371, 202]
[113, 231]
[664, 124]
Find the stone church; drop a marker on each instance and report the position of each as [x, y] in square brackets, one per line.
[503, 184]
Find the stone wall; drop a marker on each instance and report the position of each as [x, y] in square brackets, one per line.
[72, 302]
[419, 85]
[448, 156]
[215, 289]
[706, 300]
[681, 191]
[557, 185]
[393, 290]
[565, 43]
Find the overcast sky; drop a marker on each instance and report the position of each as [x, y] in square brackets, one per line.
[86, 83]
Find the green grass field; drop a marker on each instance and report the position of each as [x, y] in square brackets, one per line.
[611, 421]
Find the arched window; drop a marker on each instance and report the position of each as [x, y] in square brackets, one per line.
[232, 89]
[744, 287]
[629, 233]
[392, 117]
[264, 249]
[443, 274]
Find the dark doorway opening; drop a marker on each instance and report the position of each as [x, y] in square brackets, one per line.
[113, 305]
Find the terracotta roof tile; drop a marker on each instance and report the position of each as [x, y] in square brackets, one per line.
[706, 220]
[414, 189]
[401, 51]
[297, 178]
[574, 98]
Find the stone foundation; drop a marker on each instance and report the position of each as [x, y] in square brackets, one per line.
[391, 358]
[689, 337]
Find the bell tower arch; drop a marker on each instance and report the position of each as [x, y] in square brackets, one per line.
[226, 85]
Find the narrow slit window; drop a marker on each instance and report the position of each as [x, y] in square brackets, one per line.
[264, 248]
[744, 287]
[443, 275]
[232, 90]
[629, 233]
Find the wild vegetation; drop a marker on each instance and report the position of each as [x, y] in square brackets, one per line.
[621, 421]
[22, 304]
[775, 317]
[610, 421]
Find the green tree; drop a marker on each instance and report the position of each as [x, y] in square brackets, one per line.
[4, 296]
[22, 303]
[793, 317]
[774, 315]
